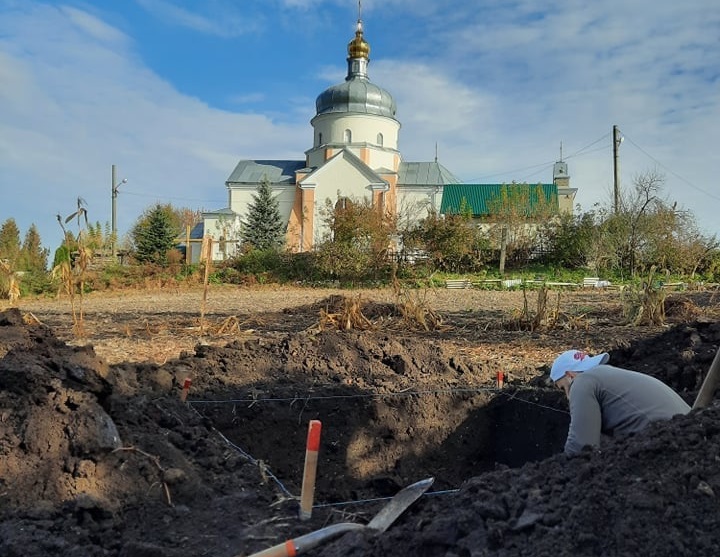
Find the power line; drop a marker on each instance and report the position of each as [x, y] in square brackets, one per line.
[576, 153]
[531, 167]
[681, 178]
[137, 194]
[546, 164]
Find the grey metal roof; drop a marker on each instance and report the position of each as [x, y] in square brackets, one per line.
[424, 173]
[196, 233]
[276, 172]
[223, 211]
[356, 95]
[353, 159]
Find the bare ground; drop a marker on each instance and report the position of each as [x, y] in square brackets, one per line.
[99, 456]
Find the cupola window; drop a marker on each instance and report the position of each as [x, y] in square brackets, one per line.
[380, 139]
[348, 136]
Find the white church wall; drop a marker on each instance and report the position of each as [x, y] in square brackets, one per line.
[241, 197]
[363, 127]
[332, 182]
[414, 203]
[378, 133]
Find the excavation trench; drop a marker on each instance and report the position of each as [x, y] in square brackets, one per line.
[372, 445]
[107, 459]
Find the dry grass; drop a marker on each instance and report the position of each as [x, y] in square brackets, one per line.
[412, 306]
[646, 305]
[546, 316]
[348, 316]
[415, 309]
[9, 286]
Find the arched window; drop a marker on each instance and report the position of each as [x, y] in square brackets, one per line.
[380, 139]
[348, 136]
[319, 139]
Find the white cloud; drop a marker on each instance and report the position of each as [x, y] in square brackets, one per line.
[222, 20]
[75, 104]
[94, 27]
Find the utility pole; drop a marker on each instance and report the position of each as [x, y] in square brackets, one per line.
[617, 140]
[115, 185]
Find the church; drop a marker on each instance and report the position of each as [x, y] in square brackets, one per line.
[354, 155]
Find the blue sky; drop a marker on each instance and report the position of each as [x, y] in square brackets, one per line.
[175, 92]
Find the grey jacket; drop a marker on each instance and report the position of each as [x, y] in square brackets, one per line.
[610, 400]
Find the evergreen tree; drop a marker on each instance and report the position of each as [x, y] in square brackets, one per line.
[10, 242]
[154, 235]
[264, 228]
[33, 257]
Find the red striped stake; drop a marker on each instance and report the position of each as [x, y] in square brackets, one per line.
[185, 389]
[311, 460]
[500, 379]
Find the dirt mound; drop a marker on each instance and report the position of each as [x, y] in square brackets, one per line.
[651, 494]
[107, 460]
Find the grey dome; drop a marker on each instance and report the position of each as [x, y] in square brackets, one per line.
[356, 95]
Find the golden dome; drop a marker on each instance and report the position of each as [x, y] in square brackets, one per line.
[358, 48]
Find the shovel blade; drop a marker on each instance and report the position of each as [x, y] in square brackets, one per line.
[399, 504]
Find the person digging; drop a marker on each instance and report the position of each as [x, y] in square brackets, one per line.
[609, 400]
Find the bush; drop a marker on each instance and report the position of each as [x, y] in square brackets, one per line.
[263, 266]
[33, 283]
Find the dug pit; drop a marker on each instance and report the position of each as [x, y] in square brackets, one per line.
[392, 410]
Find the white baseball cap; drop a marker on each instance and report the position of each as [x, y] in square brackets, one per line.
[575, 360]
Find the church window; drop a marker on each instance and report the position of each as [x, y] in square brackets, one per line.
[380, 139]
[348, 136]
[319, 139]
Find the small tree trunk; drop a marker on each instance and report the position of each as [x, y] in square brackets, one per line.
[503, 248]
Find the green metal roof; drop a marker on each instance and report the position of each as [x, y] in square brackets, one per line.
[481, 198]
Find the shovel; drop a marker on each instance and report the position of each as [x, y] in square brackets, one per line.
[380, 522]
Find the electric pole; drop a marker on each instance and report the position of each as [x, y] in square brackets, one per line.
[617, 140]
[115, 185]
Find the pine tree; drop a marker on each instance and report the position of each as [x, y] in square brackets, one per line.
[33, 257]
[154, 235]
[10, 242]
[264, 228]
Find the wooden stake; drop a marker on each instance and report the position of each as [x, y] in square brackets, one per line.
[185, 389]
[311, 460]
[206, 256]
[707, 391]
[500, 379]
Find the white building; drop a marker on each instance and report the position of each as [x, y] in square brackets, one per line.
[354, 155]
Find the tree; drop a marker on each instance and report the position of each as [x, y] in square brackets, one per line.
[356, 246]
[33, 257]
[452, 241]
[519, 210]
[10, 242]
[154, 234]
[567, 240]
[264, 227]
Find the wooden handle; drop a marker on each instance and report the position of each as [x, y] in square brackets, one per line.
[286, 549]
[707, 391]
[303, 543]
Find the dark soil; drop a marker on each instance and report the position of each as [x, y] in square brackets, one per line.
[107, 460]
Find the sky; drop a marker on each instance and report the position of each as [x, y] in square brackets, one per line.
[176, 92]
